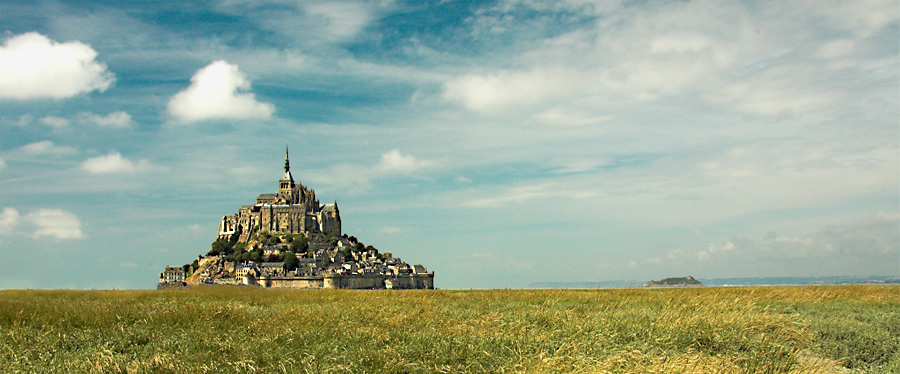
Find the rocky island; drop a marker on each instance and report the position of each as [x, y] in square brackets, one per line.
[288, 239]
[687, 281]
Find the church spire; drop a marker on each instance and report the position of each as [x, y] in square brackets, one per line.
[287, 161]
[286, 185]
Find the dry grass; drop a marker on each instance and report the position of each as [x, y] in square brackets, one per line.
[240, 329]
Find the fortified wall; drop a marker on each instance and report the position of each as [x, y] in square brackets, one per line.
[360, 282]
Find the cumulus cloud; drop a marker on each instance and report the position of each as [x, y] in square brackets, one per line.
[114, 163]
[9, 219]
[34, 67]
[214, 94]
[54, 223]
[46, 147]
[114, 120]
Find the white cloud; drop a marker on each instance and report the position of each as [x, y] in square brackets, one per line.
[324, 21]
[359, 177]
[9, 219]
[213, 94]
[55, 223]
[396, 162]
[114, 163]
[114, 120]
[34, 67]
[341, 20]
[512, 195]
[2, 164]
[501, 90]
[55, 122]
[47, 147]
[744, 59]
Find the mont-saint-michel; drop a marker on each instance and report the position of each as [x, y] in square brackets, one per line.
[289, 239]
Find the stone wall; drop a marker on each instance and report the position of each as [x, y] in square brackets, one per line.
[294, 282]
[365, 282]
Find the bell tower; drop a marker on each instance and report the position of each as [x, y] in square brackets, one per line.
[286, 184]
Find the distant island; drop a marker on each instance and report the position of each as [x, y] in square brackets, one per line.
[687, 281]
[289, 240]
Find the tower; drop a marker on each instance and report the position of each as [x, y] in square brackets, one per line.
[286, 184]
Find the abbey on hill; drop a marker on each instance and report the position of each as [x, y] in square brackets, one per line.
[293, 210]
[289, 239]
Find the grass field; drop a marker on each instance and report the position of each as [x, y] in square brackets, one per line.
[238, 329]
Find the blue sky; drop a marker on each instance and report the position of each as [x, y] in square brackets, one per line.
[498, 143]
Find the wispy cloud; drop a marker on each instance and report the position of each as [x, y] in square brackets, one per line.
[46, 147]
[114, 120]
[114, 163]
[355, 177]
[54, 122]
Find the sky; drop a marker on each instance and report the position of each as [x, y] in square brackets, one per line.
[498, 143]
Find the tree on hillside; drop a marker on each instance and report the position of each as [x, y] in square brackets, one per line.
[299, 245]
[220, 247]
[290, 261]
[331, 239]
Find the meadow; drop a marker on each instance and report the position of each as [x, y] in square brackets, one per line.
[832, 329]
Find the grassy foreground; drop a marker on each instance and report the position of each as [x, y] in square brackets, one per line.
[238, 329]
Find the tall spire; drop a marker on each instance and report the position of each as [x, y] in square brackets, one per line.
[287, 161]
[287, 180]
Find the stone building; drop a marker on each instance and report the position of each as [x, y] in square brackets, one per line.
[294, 209]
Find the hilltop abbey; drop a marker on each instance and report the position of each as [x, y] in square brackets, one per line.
[289, 239]
[293, 210]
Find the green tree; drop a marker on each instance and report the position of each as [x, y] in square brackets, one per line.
[299, 245]
[290, 261]
[331, 239]
[220, 247]
[348, 253]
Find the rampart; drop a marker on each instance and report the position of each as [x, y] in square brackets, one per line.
[333, 281]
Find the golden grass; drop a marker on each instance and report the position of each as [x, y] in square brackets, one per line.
[242, 329]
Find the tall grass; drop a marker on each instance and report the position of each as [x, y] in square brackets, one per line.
[241, 329]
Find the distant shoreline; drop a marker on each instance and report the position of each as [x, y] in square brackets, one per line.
[733, 282]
